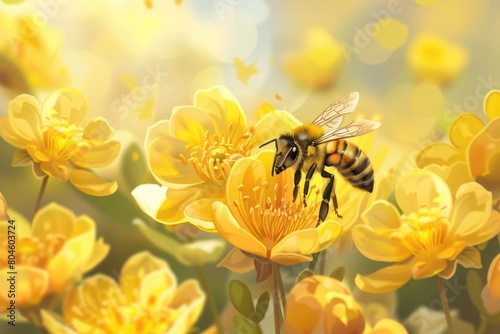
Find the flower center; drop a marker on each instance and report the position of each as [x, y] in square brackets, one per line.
[425, 231]
[62, 139]
[271, 219]
[213, 160]
[35, 252]
[433, 52]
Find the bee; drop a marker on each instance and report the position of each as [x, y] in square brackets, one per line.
[308, 148]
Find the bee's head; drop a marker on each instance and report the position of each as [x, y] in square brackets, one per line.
[287, 153]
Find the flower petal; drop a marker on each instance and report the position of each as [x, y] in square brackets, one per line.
[271, 125]
[385, 280]
[84, 298]
[378, 247]
[68, 104]
[53, 219]
[494, 277]
[54, 323]
[172, 209]
[428, 267]
[98, 129]
[167, 165]
[470, 257]
[31, 285]
[303, 242]
[137, 267]
[237, 262]
[21, 159]
[388, 326]
[199, 213]
[189, 124]
[423, 189]
[24, 118]
[69, 262]
[289, 259]
[471, 209]
[157, 288]
[11, 136]
[483, 152]
[382, 215]
[98, 156]
[492, 104]
[190, 298]
[149, 197]
[224, 110]
[91, 184]
[464, 128]
[99, 252]
[230, 230]
[439, 154]
[455, 174]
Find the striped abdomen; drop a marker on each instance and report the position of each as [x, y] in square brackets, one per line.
[351, 162]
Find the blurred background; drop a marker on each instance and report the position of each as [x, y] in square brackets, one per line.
[416, 64]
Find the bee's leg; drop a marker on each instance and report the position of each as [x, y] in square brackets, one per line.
[296, 181]
[309, 175]
[327, 194]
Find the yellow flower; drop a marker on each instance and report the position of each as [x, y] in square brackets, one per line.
[432, 235]
[316, 63]
[260, 218]
[52, 139]
[434, 59]
[51, 254]
[320, 304]
[34, 50]
[491, 292]
[146, 300]
[474, 152]
[192, 154]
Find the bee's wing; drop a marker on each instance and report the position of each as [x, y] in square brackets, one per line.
[355, 128]
[332, 116]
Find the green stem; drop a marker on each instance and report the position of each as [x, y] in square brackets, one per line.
[281, 288]
[483, 326]
[446, 307]
[312, 264]
[276, 303]
[322, 262]
[40, 196]
[210, 298]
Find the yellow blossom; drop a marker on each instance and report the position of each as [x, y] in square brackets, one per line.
[146, 300]
[474, 152]
[34, 50]
[491, 292]
[433, 234]
[52, 140]
[51, 254]
[260, 218]
[433, 59]
[315, 64]
[192, 154]
[320, 304]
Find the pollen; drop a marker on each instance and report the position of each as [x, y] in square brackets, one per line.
[271, 214]
[213, 159]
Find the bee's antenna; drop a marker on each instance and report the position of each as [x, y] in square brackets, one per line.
[268, 142]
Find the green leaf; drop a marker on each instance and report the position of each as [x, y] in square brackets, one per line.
[338, 273]
[134, 165]
[261, 307]
[161, 241]
[240, 297]
[199, 252]
[474, 287]
[243, 325]
[304, 274]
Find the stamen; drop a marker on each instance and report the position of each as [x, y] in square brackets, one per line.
[183, 159]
